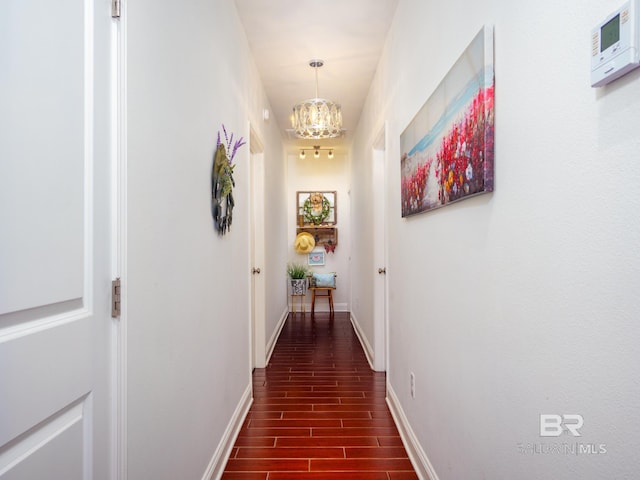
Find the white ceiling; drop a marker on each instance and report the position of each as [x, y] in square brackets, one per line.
[348, 35]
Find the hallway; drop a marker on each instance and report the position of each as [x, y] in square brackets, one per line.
[319, 411]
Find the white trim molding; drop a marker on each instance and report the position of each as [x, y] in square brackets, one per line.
[119, 362]
[417, 455]
[219, 460]
[276, 334]
[366, 346]
[321, 306]
[119, 208]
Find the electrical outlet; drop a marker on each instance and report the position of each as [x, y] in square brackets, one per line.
[412, 384]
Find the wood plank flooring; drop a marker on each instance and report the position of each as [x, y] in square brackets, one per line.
[319, 411]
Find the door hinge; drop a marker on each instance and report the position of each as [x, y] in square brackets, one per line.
[115, 8]
[115, 298]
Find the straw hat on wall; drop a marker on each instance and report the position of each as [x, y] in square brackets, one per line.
[304, 243]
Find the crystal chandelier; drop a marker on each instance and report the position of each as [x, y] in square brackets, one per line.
[317, 117]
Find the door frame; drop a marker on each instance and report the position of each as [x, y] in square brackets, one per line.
[119, 364]
[257, 252]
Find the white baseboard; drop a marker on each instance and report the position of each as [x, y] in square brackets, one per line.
[320, 307]
[274, 338]
[418, 457]
[366, 346]
[218, 462]
[338, 307]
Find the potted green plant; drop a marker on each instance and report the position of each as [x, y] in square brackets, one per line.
[297, 273]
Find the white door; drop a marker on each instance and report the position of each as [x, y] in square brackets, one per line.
[380, 255]
[54, 239]
[258, 326]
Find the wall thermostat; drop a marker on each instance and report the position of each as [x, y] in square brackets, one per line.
[614, 45]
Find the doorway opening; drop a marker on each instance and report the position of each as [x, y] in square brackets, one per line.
[379, 190]
[257, 253]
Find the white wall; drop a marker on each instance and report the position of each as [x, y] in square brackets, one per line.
[189, 71]
[521, 302]
[321, 174]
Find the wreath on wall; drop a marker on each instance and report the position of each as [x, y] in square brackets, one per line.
[316, 210]
[222, 182]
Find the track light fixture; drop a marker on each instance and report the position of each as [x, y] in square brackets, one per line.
[316, 152]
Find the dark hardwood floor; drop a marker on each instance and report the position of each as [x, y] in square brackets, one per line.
[319, 411]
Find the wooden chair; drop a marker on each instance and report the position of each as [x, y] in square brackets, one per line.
[322, 289]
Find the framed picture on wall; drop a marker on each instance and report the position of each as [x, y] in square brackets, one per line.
[447, 149]
[315, 258]
[316, 209]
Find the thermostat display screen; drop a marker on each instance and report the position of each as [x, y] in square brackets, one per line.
[610, 33]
